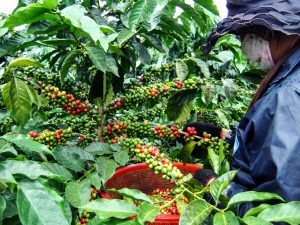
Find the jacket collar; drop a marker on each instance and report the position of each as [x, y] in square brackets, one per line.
[288, 65]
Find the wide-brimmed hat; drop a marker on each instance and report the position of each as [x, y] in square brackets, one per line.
[277, 15]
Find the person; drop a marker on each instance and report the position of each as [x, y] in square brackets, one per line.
[267, 140]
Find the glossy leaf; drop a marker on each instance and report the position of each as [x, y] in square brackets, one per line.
[98, 148]
[209, 93]
[2, 207]
[133, 193]
[6, 176]
[93, 30]
[256, 210]
[30, 169]
[121, 157]
[106, 168]
[50, 4]
[154, 17]
[124, 36]
[5, 95]
[202, 65]
[226, 218]
[221, 183]
[142, 52]
[97, 56]
[214, 160]
[284, 212]
[112, 65]
[21, 102]
[67, 62]
[252, 196]
[222, 117]
[181, 70]
[25, 14]
[19, 62]
[70, 158]
[38, 205]
[147, 212]
[179, 113]
[229, 88]
[251, 220]
[140, 12]
[78, 193]
[74, 13]
[195, 213]
[111, 208]
[25, 142]
[187, 150]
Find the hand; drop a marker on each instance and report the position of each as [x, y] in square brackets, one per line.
[205, 176]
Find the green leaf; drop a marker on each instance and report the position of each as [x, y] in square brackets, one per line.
[2, 207]
[202, 65]
[93, 30]
[23, 62]
[50, 4]
[78, 193]
[147, 212]
[60, 41]
[226, 218]
[154, 18]
[94, 179]
[59, 170]
[252, 196]
[25, 142]
[121, 157]
[141, 11]
[195, 213]
[214, 160]
[21, 102]
[209, 93]
[6, 176]
[106, 168]
[222, 117]
[255, 211]
[284, 212]
[112, 65]
[124, 36]
[97, 56]
[38, 205]
[74, 13]
[229, 88]
[106, 208]
[98, 148]
[30, 169]
[24, 15]
[251, 220]
[187, 150]
[221, 183]
[67, 63]
[5, 95]
[179, 113]
[181, 70]
[35, 98]
[71, 157]
[142, 52]
[133, 193]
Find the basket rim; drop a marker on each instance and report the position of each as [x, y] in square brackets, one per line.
[140, 166]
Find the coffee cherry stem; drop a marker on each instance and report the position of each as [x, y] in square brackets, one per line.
[173, 200]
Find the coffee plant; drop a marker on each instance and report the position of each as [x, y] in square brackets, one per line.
[88, 87]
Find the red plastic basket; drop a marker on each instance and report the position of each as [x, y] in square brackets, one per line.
[140, 176]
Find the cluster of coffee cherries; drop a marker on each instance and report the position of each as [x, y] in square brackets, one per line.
[163, 131]
[178, 84]
[193, 83]
[116, 139]
[118, 103]
[51, 138]
[189, 135]
[156, 160]
[149, 114]
[61, 99]
[169, 205]
[116, 128]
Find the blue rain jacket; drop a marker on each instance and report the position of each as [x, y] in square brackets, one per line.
[267, 145]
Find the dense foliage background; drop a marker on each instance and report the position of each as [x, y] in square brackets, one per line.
[85, 82]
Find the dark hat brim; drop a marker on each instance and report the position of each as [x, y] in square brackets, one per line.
[283, 16]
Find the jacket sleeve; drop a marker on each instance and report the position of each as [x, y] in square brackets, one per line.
[268, 155]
